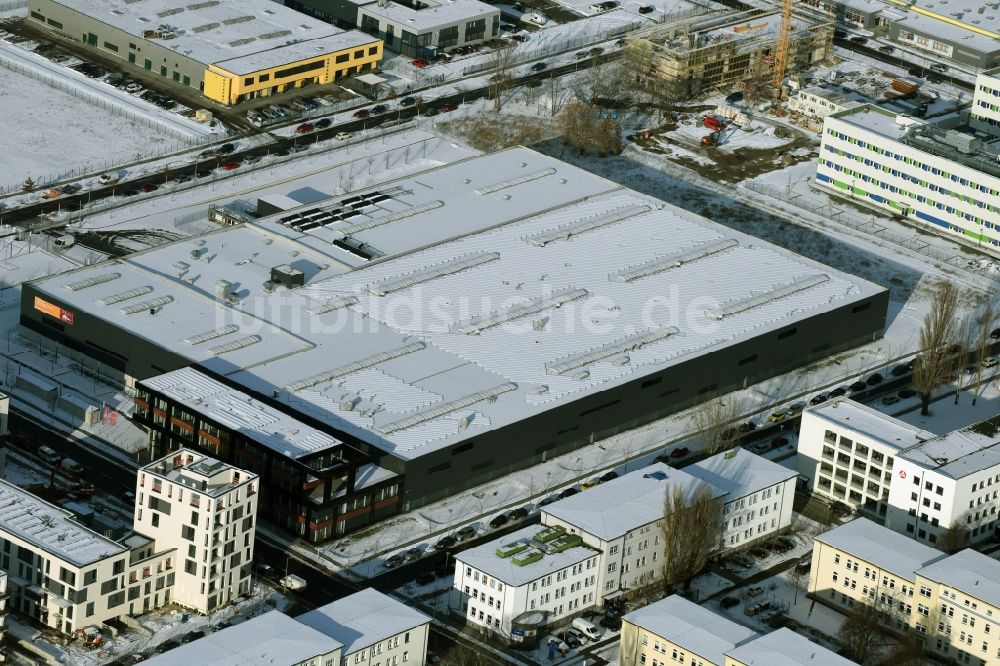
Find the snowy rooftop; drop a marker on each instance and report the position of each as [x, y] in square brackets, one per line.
[881, 546]
[266, 640]
[510, 283]
[871, 423]
[237, 410]
[961, 12]
[784, 647]
[626, 503]
[431, 15]
[873, 119]
[363, 619]
[484, 558]
[740, 473]
[198, 472]
[239, 37]
[51, 529]
[970, 572]
[960, 452]
[691, 627]
[836, 94]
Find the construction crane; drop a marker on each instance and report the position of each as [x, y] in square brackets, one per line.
[781, 51]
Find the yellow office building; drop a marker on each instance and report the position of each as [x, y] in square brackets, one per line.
[230, 51]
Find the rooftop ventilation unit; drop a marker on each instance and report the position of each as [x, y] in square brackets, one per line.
[672, 261]
[211, 335]
[479, 324]
[235, 345]
[527, 178]
[379, 221]
[735, 307]
[151, 304]
[604, 219]
[92, 281]
[446, 408]
[288, 276]
[629, 343]
[350, 368]
[125, 295]
[449, 267]
[334, 304]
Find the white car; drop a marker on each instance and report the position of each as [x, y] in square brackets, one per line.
[342, 136]
[990, 362]
[538, 18]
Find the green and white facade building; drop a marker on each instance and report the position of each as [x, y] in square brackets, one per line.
[945, 180]
[985, 113]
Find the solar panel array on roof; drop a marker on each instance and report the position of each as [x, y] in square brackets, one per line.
[773, 295]
[379, 221]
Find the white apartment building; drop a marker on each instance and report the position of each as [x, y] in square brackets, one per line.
[372, 629]
[67, 576]
[942, 180]
[951, 602]
[784, 647]
[985, 112]
[271, 639]
[819, 102]
[527, 579]
[622, 520]
[759, 495]
[848, 452]
[949, 480]
[207, 510]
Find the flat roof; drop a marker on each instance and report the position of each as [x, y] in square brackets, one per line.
[363, 619]
[960, 452]
[198, 472]
[626, 503]
[969, 572]
[871, 423]
[266, 640]
[492, 289]
[880, 546]
[740, 473]
[784, 647]
[484, 558]
[873, 119]
[966, 16]
[432, 13]
[239, 37]
[51, 529]
[691, 627]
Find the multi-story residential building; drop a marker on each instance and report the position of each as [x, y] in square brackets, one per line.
[820, 102]
[848, 451]
[858, 14]
[67, 576]
[962, 593]
[373, 629]
[675, 630]
[951, 602]
[862, 562]
[527, 579]
[943, 180]
[206, 509]
[312, 482]
[759, 495]
[622, 519]
[985, 112]
[271, 639]
[784, 647]
[951, 481]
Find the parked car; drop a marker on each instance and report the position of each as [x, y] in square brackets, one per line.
[818, 399]
[839, 391]
[886, 49]
[520, 513]
[580, 55]
[392, 562]
[779, 442]
[148, 187]
[445, 542]
[890, 400]
[906, 393]
[796, 408]
[776, 417]
[609, 476]
[412, 554]
[989, 362]
[590, 483]
[559, 644]
[901, 370]
[71, 466]
[499, 521]
[425, 578]
[132, 88]
[874, 380]
[568, 492]
[407, 101]
[448, 106]
[680, 452]
[361, 113]
[419, 63]
[586, 628]
[108, 178]
[858, 386]
[995, 334]
[538, 66]
[939, 67]
[804, 564]
[293, 582]
[323, 123]
[305, 128]
[729, 602]
[466, 532]
[49, 455]
[342, 136]
[611, 622]
[229, 166]
[596, 51]
[569, 639]
[379, 108]
[859, 40]
[646, 9]
[225, 149]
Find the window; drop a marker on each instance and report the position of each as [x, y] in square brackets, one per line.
[248, 81]
[111, 47]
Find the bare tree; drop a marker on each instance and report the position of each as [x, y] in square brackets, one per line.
[502, 61]
[714, 422]
[797, 579]
[961, 349]
[909, 651]
[982, 346]
[861, 633]
[691, 529]
[935, 359]
[956, 537]
[583, 128]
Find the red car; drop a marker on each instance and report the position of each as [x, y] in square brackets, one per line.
[361, 113]
[148, 187]
[229, 166]
[419, 63]
[305, 127]
[448, 106]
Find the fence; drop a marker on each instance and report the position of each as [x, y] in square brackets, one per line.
[869, 226]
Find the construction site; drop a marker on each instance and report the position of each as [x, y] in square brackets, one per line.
[747, 51]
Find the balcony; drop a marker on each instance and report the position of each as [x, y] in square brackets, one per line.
[841, 474]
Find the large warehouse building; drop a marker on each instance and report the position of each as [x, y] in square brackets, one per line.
[230, 51]
[461, 323]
